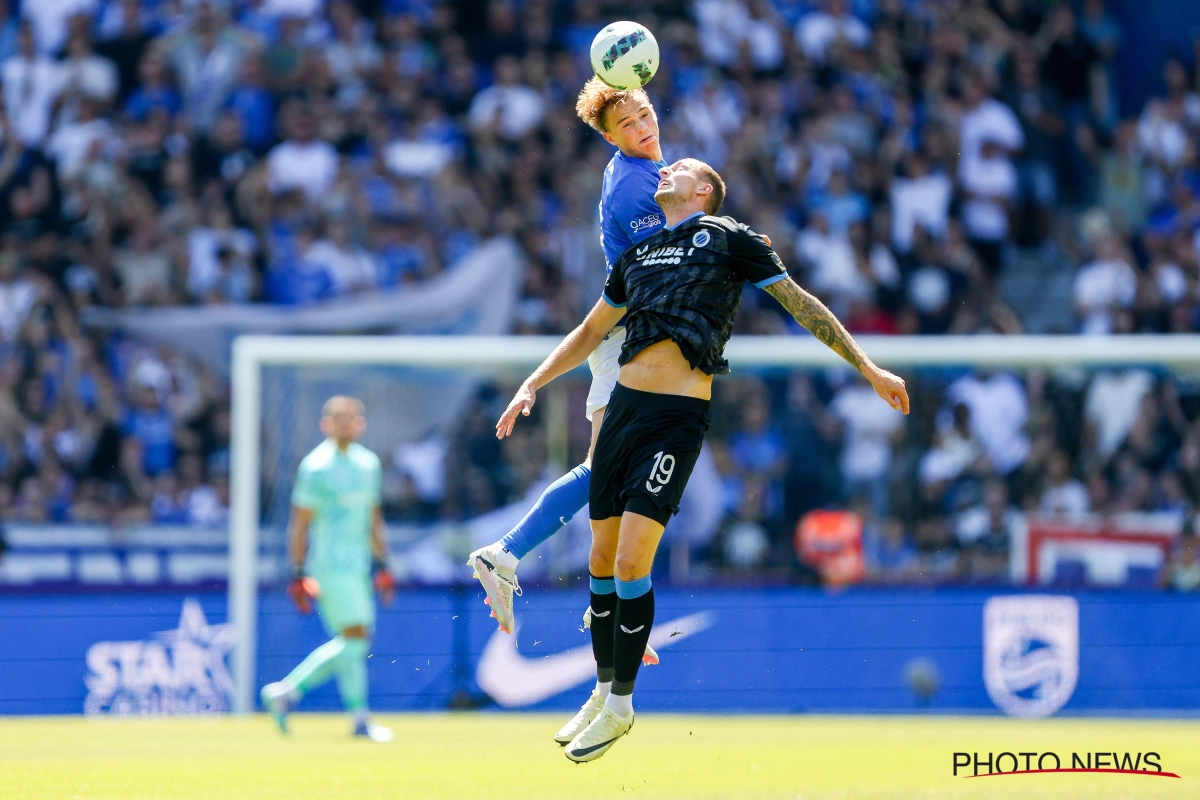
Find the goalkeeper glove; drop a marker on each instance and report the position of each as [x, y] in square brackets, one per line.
[385, 583]
[303, 589]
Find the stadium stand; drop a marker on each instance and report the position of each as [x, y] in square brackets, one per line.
[926, 167]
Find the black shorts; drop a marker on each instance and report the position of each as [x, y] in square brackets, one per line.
[647, 447]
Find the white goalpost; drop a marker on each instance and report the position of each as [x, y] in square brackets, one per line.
[252, 353]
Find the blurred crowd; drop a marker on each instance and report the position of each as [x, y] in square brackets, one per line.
[920, 164]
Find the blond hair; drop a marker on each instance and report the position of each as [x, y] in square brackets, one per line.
[596, 98]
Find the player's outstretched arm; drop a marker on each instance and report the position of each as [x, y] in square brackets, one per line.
[570, 353]
[813, 314]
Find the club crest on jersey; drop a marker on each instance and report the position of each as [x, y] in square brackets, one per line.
[701, 239]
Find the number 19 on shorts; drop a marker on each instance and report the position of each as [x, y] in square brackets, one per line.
[660, 473]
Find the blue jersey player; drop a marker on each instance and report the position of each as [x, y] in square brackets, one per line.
[628, 215]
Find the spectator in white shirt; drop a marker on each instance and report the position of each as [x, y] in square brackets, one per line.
[31, 84]
[18, 295]
[218, 255]
[353, 55]
[985, 534]
[990, 185]
[1104, 286]
[207, 60]
[302, 162]
[50, 19]
[86, 74]
[989, 135]
[830, 262]
[1064, 496]
[508, 107]
[1111, 408]
[999, 409]
[920, 198]
[350, 267]
[867, 431]
[76, 144]
[729, 27]
[986, 119]
[817, 31]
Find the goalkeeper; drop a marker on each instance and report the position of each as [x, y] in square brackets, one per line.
[338, 551]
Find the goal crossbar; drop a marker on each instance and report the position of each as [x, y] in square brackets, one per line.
[252, 353]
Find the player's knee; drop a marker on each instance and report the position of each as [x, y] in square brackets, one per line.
[600, 563]
[628, 567]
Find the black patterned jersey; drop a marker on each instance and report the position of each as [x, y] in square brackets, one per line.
[685, 284]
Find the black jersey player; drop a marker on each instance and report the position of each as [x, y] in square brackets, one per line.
[679, 291]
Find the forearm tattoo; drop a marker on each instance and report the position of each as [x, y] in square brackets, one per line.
[812, 314]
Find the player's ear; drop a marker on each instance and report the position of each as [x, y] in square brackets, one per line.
[360, 425]
[608, 137]
[327, 426]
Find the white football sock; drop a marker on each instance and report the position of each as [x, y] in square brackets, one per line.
[505, 558]
[622, 704]
[603, 688]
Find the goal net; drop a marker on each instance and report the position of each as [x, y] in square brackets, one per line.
[1026, 460]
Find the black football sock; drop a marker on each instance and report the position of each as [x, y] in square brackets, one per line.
[635, 618]
[604, 613]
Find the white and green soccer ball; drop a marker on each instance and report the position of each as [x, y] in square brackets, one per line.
[625, 55]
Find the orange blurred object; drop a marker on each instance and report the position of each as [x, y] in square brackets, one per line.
[831, 543]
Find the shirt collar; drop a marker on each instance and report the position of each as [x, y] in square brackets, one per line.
[685, 219]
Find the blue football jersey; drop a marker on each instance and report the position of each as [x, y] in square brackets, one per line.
[628, 213]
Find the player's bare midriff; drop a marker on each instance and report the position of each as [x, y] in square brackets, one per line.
[662, 369]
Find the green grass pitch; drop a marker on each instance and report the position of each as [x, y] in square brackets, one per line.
[512, 757]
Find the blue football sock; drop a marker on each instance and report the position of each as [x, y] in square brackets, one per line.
[553, 510]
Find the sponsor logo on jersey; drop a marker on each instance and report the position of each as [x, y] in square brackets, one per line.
[662, 255]
[1030, 653]
[173, 672]
[514, 680]
[701, 239]
[648, 221]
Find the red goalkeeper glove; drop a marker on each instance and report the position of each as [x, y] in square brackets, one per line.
[385, 583]
[303, 589]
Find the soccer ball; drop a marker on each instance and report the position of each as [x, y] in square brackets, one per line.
[625, 55]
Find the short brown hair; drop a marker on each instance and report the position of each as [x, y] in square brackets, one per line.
[597, 97]
[717, 198]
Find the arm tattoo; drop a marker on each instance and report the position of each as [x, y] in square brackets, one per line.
[812, 314]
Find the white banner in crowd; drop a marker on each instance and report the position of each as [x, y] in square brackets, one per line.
[478, 295]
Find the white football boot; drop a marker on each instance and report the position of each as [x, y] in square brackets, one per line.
[596, 739]
[499, 582]
[373, 731]
[581, 720]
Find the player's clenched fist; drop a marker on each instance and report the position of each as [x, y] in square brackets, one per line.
[890, 387]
